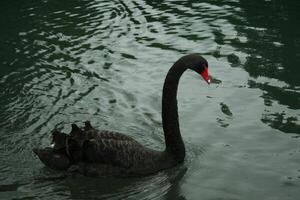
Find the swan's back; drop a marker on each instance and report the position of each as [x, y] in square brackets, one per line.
[103, 153]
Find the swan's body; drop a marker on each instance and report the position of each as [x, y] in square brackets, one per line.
[104, 153]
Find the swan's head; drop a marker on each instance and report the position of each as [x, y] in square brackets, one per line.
[200, 65]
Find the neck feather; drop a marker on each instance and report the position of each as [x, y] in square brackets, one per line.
[173, 139]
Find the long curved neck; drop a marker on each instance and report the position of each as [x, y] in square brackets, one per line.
[174, 142]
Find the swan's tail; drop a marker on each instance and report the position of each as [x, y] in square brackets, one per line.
[66, 149]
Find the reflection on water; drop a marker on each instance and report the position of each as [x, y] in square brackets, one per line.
[141, 188]
[275, 54]
[105, 61]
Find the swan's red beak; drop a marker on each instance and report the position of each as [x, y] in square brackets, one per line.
[205, 76]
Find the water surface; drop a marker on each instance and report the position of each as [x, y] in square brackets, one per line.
[105, 61]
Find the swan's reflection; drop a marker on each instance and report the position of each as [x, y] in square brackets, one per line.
[164, 185]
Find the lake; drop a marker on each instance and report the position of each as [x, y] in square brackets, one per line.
[105, 61]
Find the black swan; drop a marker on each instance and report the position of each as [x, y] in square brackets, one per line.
[93, 152]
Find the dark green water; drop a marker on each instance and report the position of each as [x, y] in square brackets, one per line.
[105, 61]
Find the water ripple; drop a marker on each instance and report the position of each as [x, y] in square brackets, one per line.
[105, 61]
